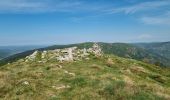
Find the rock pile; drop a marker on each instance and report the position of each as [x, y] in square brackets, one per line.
[96, 50]
[66, 54]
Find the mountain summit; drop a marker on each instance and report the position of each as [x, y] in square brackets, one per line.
[66, 54]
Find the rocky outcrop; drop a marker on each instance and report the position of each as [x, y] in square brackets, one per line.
[32, 56]
[66, 54]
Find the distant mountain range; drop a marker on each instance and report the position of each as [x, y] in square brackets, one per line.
[6, 51]
[154, 53]
[160, 48]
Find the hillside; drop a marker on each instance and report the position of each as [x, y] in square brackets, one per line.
[135, 52]
[120, 49]
[162, 48]
[43, 76]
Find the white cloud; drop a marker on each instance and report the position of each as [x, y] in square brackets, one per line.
[157, 20]
[145, 6]
[149, 11]
[8, 6]
[38, 5]
[75, 5]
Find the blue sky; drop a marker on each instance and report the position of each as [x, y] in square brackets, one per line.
[38, 22]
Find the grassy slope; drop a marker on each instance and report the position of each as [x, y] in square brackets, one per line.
[103, 78]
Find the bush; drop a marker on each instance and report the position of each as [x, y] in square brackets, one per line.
[48, 68]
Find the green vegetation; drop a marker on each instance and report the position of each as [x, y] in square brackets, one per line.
[162, 48]
[100, 78]
[135, 52]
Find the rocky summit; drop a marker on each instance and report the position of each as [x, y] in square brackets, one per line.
[66, 54]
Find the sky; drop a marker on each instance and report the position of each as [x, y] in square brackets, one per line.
[46, 22]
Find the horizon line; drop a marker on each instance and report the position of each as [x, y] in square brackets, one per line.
[81, 43]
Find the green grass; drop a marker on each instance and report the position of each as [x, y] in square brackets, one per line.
[106, 78]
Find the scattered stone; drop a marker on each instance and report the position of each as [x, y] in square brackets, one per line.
[87, 58]
[66, 72]
[138, 69]
[40, 61]
[70, 54]
[26, 60]
[25, 83]
[21, 60]
[72, 74]
[59, 66]
[61, 87]
[115, 78]
[44, 54]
